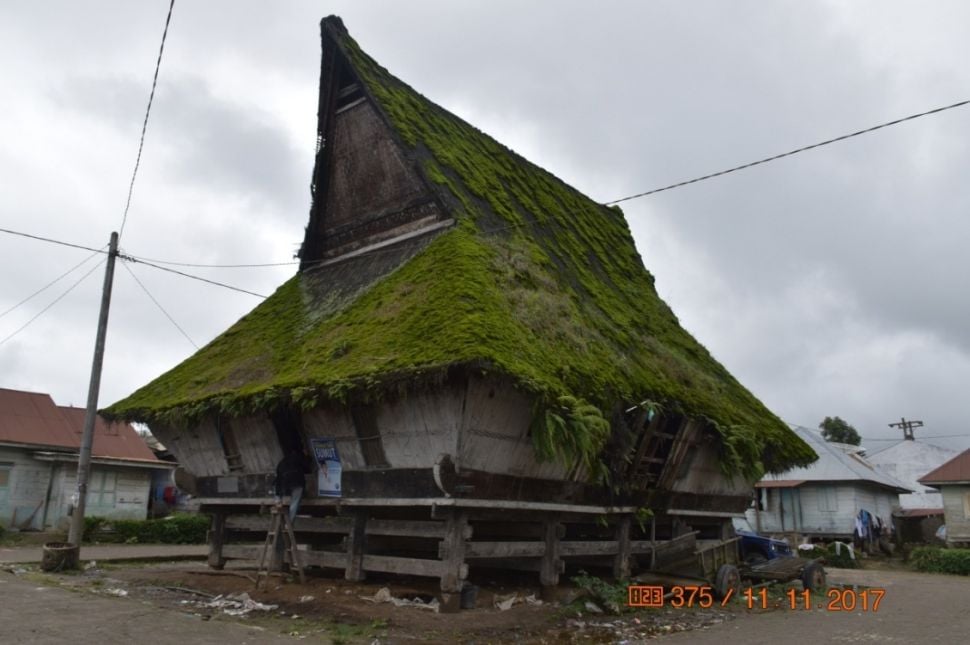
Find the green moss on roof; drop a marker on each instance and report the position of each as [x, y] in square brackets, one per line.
[536, 281]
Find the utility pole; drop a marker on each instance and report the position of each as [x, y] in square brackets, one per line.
[907, 427]
[94, 387]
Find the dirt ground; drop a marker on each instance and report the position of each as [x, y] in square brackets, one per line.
[326, 608]
[917, 608]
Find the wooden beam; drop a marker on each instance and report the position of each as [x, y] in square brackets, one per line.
[326, 559]
[408, 566]
[588, 547]
[356, 543]
[216, 539]
[216, 503]
[241, 551]
[261, 523]
[345, 524]
[502, 550]
[411, 528]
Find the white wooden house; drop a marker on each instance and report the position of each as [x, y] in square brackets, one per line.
[39, 443]
[822, 500]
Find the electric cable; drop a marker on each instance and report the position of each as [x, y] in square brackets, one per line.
[158, 304]
[50, 284]
[790, 152]
[144, 125]
[53, 241]
[194, 277]
[53, 302]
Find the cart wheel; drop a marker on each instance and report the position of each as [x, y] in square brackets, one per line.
[728, 577]
[813, 577]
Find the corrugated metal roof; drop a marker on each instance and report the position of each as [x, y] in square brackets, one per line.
[116, 440]
[955, 471]
[907, 461]
[834, 464]
[33, 419]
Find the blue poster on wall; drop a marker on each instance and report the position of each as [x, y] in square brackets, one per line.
[328, 467]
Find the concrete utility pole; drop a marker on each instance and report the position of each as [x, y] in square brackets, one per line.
[94, 387]
[907, 427]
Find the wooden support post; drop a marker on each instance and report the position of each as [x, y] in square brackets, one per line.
[356, 542]
[621, 562]
[551, 566]
[454, 569]
[217, 538]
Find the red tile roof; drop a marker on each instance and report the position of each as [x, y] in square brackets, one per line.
[32, 419]
[780, 483]
[954, 471]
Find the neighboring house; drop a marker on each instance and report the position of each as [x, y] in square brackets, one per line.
[463, 324]
[921, 512]
[906, 462]
[824, 499]
[39, 444]
[953, 481]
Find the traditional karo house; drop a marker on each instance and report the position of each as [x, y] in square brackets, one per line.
[465, 332]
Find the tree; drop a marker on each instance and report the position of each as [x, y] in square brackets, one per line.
[837, 430]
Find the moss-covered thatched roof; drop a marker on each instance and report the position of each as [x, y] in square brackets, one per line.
[535, 281]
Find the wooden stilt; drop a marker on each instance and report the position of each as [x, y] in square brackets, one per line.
[453, 561]
[551, 565]
[355, 547]
[621, 562]
[216, 539]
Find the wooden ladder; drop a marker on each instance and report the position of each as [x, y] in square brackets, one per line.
[279, 526]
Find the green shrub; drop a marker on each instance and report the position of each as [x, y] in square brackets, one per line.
[175, 529]
[92, 526]
[611, 597]
[937, 560]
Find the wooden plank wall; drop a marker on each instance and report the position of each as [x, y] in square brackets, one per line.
[335, 423]
[259, 447]
[198, 448]
[415, 429]
[494, 432]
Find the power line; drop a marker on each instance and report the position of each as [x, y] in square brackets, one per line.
[790, 152]
[49, 284]
[936, 436]
[159, 305]
[213, 266]
[53, 302]
[194, 277]
[130, 259]
[144, 125]
[53, 241]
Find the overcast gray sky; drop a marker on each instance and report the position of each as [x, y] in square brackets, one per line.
[828, 283]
